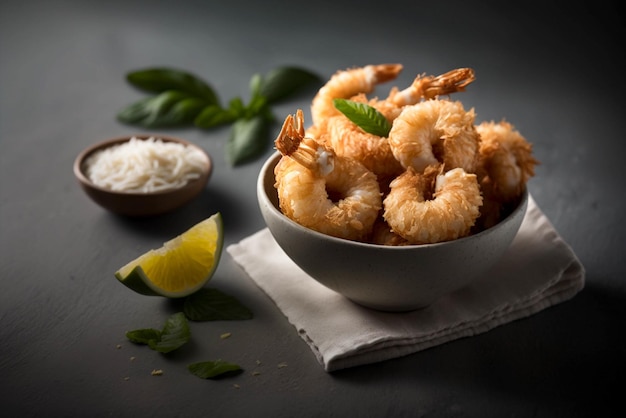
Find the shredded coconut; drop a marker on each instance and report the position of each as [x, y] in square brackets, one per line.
[144, 166]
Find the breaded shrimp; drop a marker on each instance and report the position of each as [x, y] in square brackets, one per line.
[431, 87]
[505, 165]
[435, 131]
[345, 84]
[422, 216]
[505, 158]
[322, 191]
[373, 151]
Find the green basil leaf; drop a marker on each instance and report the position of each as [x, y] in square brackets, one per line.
[256, 83]
[134, 113]
[248, 139]
[183, 112]
[237, 108]
[143, 336]
[212, 116]
[170, 108]
[282, 82]
[364, 116]
[212, 305]
[213, 369]
[175, 333]
[158, 80]
[257, 106]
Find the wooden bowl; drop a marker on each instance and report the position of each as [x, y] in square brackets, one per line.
[139, 204]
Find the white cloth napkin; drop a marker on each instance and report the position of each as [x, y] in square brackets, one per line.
[538, 270]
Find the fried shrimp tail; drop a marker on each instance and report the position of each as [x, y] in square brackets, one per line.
[292, 143]
[322, 191]
[431, 87]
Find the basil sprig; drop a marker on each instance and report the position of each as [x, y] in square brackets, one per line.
[364, 116]
[183, 99]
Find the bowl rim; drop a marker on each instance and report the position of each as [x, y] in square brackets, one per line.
[106, 143]
[273, 160]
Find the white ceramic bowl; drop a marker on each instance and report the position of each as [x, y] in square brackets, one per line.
[137, 204]
[386, 278]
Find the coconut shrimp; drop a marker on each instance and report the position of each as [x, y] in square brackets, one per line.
[433, 206]
[431, 87]
[320, 190]
[435, 131]
[373, 151]
[346, 84]
[506, 162]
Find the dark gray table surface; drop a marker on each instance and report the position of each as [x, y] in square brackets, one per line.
[556, 73]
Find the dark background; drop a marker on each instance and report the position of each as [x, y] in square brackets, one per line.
[555, 71]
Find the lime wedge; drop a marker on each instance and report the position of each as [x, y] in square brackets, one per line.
[182, 266]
